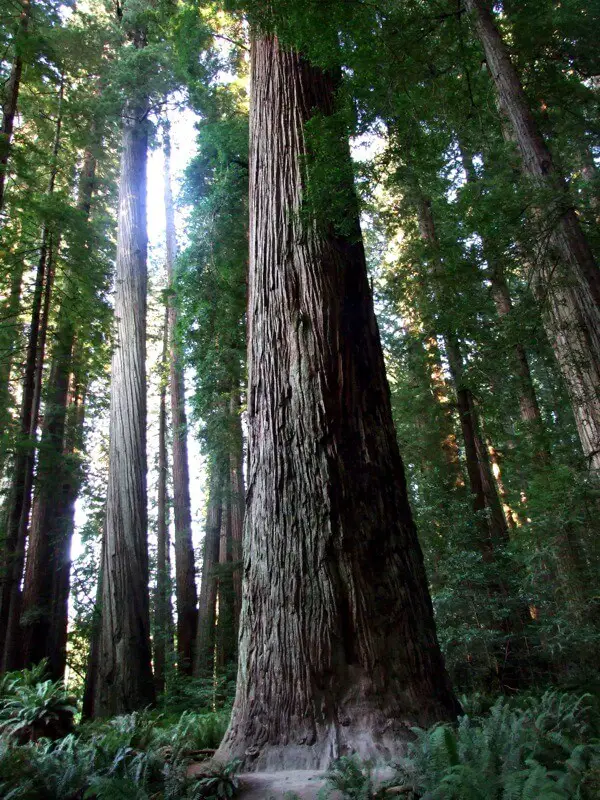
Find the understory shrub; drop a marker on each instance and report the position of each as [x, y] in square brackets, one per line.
[526, 748]
[131, 757]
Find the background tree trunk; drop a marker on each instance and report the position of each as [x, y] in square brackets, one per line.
[338, 649]
[204, 650]
[566, 280]
[9, 108]
[161, 602]
[185, 565]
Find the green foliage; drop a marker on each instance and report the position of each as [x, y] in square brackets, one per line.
[31, 709]
[351, 778]
[544, 747]
[132, 756]
[219, 782]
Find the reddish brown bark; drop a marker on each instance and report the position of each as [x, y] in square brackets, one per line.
[338, 650]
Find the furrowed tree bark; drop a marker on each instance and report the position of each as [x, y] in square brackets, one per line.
[9, 106]
[161, 602]
[185, 566]
[566, 278]
[337, 649]
[124, 679]
[204, 651]
[47, 575]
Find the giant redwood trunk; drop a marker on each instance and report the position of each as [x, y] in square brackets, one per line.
[338, 648]
[185, 567]
[567, 280]
[124, 675]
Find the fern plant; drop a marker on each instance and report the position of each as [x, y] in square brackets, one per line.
[30, 712]
[218, 783]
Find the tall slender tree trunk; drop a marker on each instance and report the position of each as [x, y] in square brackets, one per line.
[47, 574]
[566, 278]
[481, 480]
[91, 674]
[185, 566]
[204, 651]
[22, 479]
[225, 648]
[161, 602]
[237, 502]
[41, 566]
[528, 404]
[9, 107]
[9, 339]
[124, 680]
[338, 649]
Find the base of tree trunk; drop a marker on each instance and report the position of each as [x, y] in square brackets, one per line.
[358, 725]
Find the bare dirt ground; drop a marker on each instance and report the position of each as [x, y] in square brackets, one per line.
[301, 784]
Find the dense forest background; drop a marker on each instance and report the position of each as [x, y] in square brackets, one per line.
[466, 139]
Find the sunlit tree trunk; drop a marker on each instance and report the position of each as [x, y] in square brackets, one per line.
[124, 680]
[185, 566]
[566, 278]
[338, 648]
[11, 94]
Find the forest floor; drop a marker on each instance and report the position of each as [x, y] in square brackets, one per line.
[302, 784]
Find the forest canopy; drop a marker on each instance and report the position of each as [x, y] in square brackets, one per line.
[299, 397]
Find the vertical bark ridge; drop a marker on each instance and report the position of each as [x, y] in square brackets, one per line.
[338, 650]
[124, 676]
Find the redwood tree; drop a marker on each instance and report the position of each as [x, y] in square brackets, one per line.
[185, 568]
[338, 649]
[566, 279]
[123, 681]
